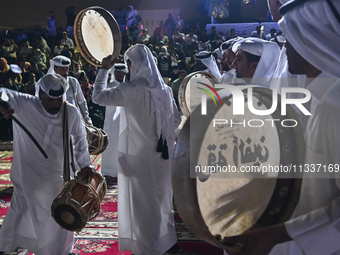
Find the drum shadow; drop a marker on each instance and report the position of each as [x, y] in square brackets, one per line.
[246, 199]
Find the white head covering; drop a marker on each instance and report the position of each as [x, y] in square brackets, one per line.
[144, 71]
[131, 14]
[119, 67]
[269, 53]
[58, 61]
[15, 68]
[228, 44]
[165, 48]
[283, 1]
[209, 61]
[54, 85]
[123, 68]
[313, 30]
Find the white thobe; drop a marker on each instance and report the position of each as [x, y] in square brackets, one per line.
[228, 77]
[219, 53]
[282, 63]
[36, 180]
[215, 72]
[77, 92]
[315, 224]
[283, 78]
[145, 219]
[111, 127]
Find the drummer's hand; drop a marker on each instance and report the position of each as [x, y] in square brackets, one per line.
[6, 112]
[259, 241]
[88, 170]
[107, 62]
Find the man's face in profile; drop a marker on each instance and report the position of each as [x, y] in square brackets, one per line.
[62, 70]
[243, 68]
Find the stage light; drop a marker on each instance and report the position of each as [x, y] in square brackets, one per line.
[249, 2]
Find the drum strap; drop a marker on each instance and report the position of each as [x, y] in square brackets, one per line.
[67, 147]
[77, 104]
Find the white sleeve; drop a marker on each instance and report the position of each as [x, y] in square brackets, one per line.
[81, 100]
[71, 43]
[80, 145]
[18, 101]
[318, 231]
[104, 96]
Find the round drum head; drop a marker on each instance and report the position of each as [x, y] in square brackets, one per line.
[219, 186]
[97, 35]
[236, 147]
[68, 217]
[192, 88]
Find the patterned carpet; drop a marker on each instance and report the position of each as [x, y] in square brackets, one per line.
[100, 236]
[5, 165]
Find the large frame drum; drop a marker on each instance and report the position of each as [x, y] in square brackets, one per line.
[189, 97]
[214, 204]
[97, 35]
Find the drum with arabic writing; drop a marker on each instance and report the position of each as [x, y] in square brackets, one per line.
[189, 96]
[226, 169]
[97, 35]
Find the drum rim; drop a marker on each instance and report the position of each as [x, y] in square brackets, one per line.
[80, 41]
[101, 137]
[182, 90]
[65, 200]
[182, 160]
[297, 139]
[82, 219]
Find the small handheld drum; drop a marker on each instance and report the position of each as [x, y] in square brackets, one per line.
[97, 139]
[191, 89]
[97, 35]
[214, 198]
[79, 202]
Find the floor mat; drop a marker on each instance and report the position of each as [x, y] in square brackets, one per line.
[100, 236]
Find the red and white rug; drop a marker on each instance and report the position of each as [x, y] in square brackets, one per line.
[100, 236]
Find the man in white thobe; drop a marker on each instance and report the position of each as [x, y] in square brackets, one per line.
[228, 75]
[282, 77]
[206, 62]
[36, 180]
[74, 94]
[111, 127]
[148, 119]
[312, 49]
[256, 60]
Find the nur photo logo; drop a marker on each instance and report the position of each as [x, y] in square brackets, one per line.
[238, 95]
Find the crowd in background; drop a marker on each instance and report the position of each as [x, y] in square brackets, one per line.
[174, 44]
